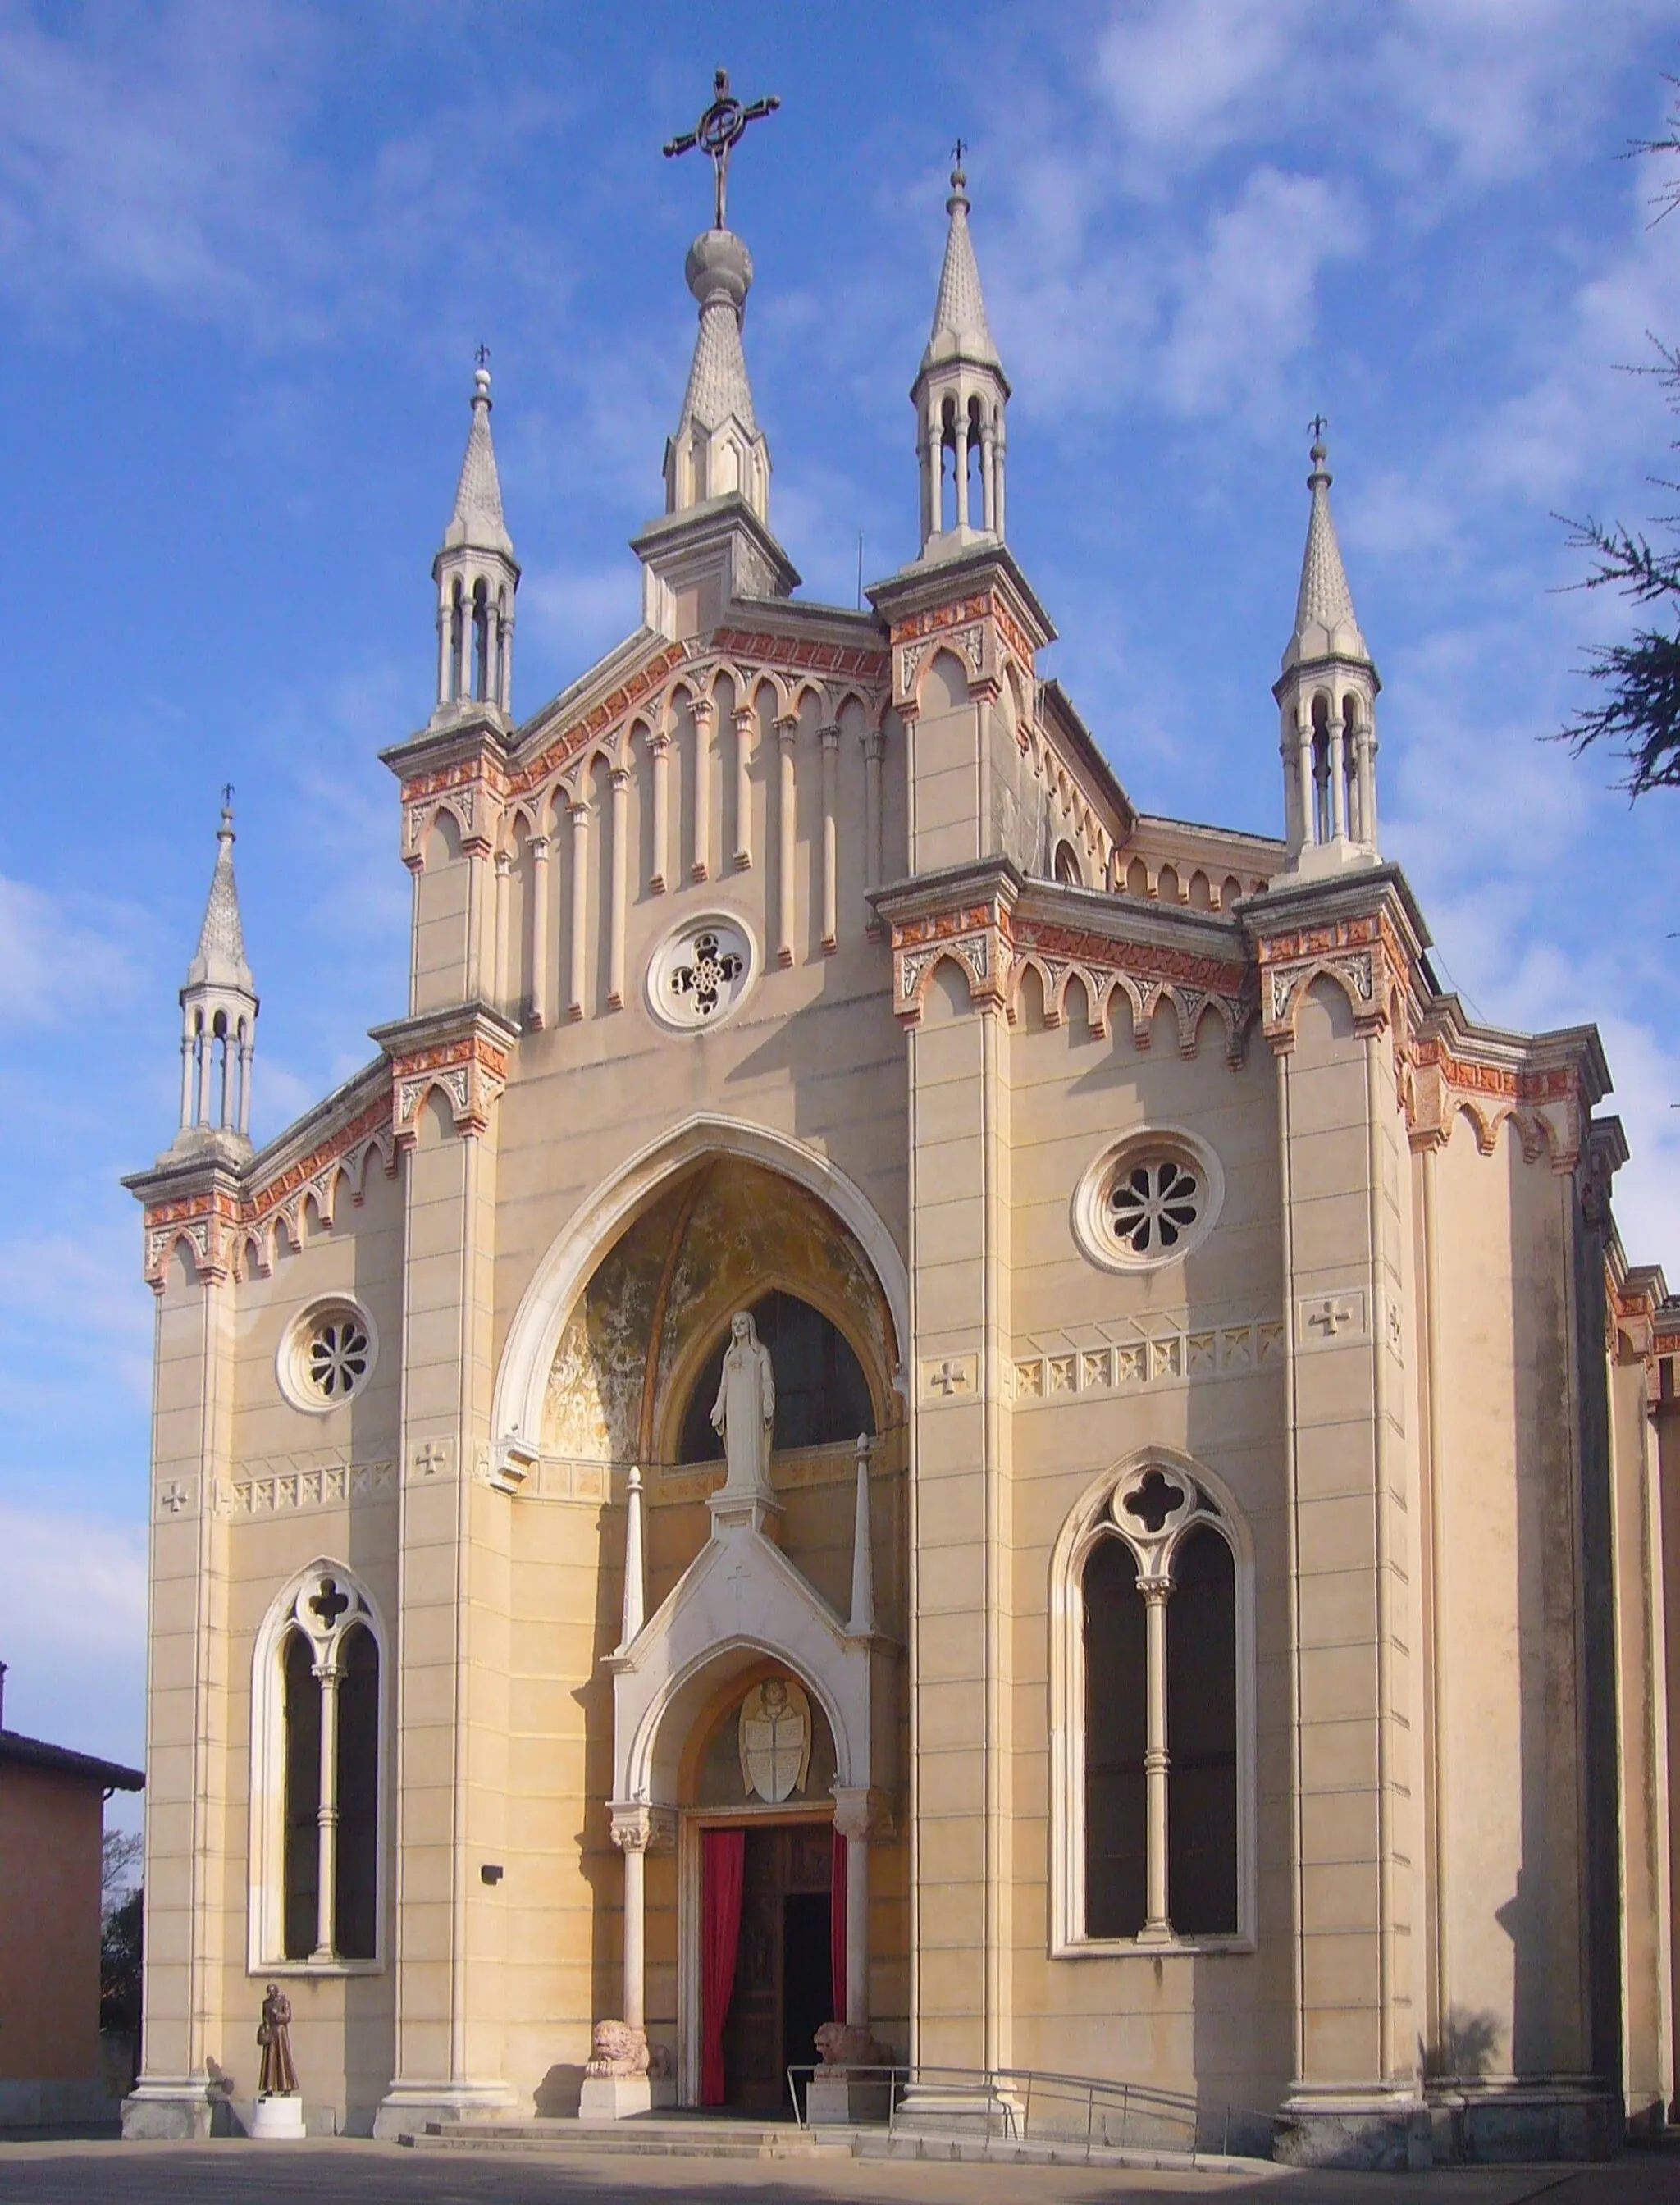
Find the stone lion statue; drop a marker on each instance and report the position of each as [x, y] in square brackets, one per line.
[839, 2044]
[616, 2049]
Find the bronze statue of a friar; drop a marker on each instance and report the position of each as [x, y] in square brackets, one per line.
[277, 2077]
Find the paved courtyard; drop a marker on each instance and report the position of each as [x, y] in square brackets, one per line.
[354, 2174]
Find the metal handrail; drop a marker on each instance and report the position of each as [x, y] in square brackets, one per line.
[1042, 2105]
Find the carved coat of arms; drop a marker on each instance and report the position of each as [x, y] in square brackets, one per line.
[775, 1739]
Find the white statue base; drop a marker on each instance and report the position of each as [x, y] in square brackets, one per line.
[278, 2118]
[619, 2097]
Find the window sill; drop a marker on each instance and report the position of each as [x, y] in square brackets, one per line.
[315, 1968]
[1135, 1948]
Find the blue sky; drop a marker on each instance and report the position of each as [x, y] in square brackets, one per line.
[245, 255]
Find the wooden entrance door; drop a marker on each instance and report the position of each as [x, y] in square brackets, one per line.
[782, 1992]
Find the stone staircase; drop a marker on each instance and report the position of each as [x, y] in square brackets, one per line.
[695, 2136]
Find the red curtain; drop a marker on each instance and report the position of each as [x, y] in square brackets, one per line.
[837, 1929]
[722, 1860]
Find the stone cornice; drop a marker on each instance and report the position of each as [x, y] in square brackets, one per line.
[462, 1051]
[917, 598]
[230, 1221]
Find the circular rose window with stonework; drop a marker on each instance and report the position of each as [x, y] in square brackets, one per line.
[328, 1355]
[1147, 1199]
[698, 976]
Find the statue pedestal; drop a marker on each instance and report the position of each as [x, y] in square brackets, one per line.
[618, 2097]
[278, 2118]
[847, 2095]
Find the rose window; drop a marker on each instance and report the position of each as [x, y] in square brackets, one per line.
[1149, 1198]
[337, 1357]
[327, 1355]
[700, 975]
[1152, 1205]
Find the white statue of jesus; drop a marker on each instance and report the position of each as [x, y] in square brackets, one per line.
[743, 1414]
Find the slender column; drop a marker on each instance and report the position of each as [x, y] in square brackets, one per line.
[538, 1016]
[961, 456]
[620, 780]
[987, 492]
[578, 812]
[635, 1861]
[857, 1931]
[1156, 1927]
[1365, 752]
[504, 920]
[830, 833]
[785, 729]
[744, 721]
[246, 1050]
[445, 623]
[187, 1072]
[475, 924]
[207, 1050]
[861, 1622]
[997, 475]
[1338, 783]
[635, 1566]
[505, 696]
[659, 749]
[925, 449]
[873, 744]
[1304, 764]
[225, 1082]
[704, 712]
[326, 1814]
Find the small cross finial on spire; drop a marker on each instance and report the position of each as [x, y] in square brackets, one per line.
[957, 153]
[483, 355]
[226, 796]
[1317, 426]
[719, 131]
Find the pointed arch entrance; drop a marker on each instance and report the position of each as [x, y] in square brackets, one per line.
[611, 1361]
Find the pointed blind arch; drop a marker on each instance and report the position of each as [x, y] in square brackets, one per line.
[823, 1395]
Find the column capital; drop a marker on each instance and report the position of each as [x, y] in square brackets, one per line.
[830, 734]
[862, 1811]
[637, 1827]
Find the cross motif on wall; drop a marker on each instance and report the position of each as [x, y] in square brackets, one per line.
[737, 1578]
[430, 1458]
[175, 1496]
[330, 1602]
[1332, 1314]
[711, 969]
[951, 1378]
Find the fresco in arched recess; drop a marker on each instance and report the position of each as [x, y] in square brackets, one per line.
[712, 1241]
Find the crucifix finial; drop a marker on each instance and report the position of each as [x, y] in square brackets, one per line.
[957, 153]
[719, 131]
[483, 355]
[227, 794]
[1317, 426]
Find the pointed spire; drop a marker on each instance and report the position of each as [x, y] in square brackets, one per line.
[477, 524]
[960, 325]
[718, 448]
[218, 1009]
[961, 395]
[1324, 624]
[220, 962]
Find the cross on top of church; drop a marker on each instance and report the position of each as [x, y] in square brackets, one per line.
[719, 131]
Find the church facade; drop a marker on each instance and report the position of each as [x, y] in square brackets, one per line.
[906, 1402]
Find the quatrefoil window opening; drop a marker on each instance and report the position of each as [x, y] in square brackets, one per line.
[1154, 1500]
[1152, 1206]
[697, 975]
[709, 972]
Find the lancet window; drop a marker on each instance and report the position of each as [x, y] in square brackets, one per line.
[1154, 1682]
[822, 1396]
[316, 1777]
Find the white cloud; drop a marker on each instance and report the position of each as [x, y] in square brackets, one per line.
[1247, 303]
[1185, 78]
[73, 1594]
[62, 957]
